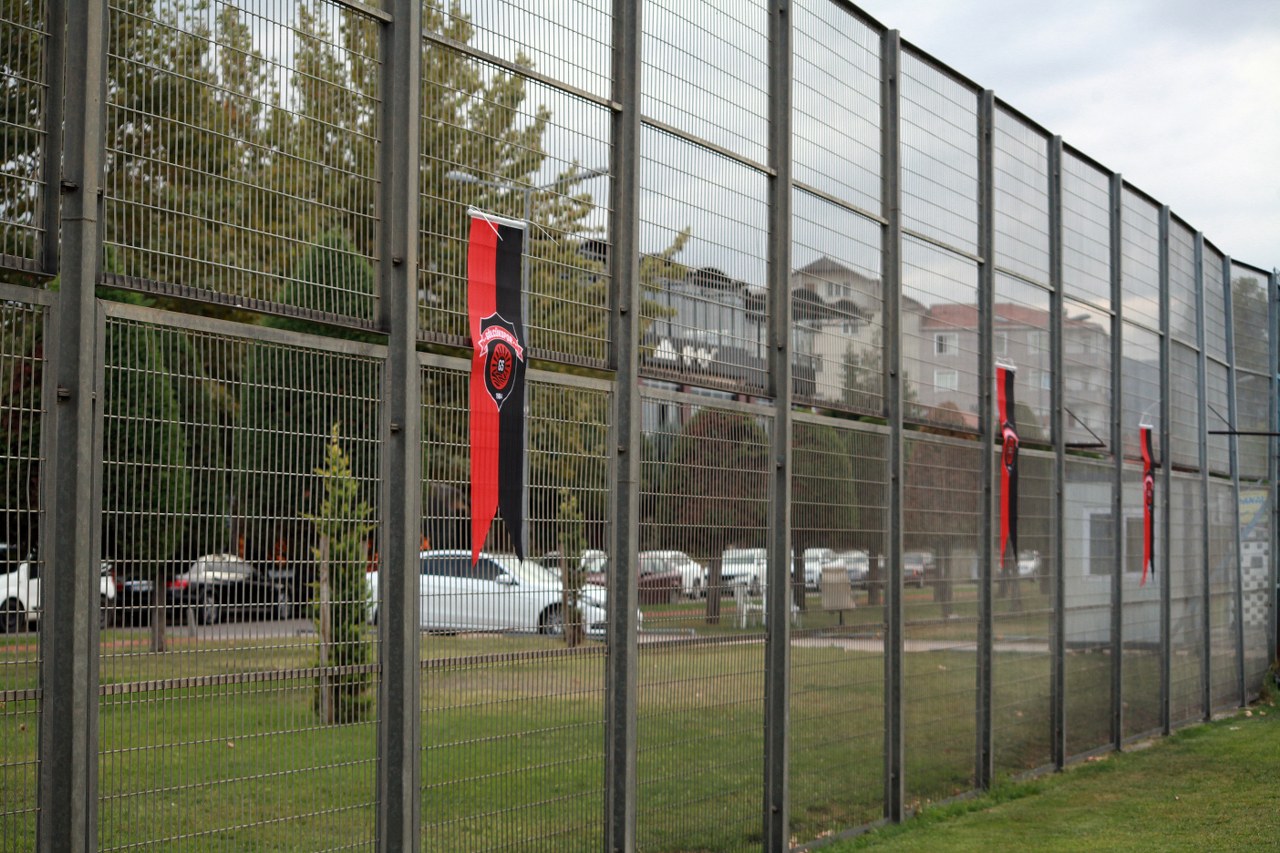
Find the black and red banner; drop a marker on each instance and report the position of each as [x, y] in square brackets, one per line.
[1008, 463]
[1148, 504]
[496, 313]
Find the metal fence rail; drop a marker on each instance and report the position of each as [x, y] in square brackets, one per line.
[773, 259]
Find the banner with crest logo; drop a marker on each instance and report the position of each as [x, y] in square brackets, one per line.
[496, 313]
[1008, 428]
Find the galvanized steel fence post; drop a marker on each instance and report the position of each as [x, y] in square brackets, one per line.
[1233, 445]
[1117, 463]
[987, 430]
[1058, 691]
[779, 593]
[1163, 563]
[1202, 437]
[400, 727]
[69, 632]
[891, 192]
[1273, 465]
[625, 329]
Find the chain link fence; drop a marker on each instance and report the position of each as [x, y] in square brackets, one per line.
[778, 582]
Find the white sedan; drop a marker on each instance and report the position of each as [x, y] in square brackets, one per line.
[498, 593]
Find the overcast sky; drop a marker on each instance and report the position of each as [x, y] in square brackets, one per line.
[1182, 97]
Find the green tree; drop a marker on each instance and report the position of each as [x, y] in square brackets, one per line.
[342, 524]
[22, 107]
[714, 488]
[824, 494]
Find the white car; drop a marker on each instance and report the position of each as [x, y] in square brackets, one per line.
[499, 593]
[815, 560]
[20, 595]
[749, 567]
[857, 564]
[693, 575]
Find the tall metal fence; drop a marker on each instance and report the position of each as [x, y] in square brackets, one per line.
[775, 255]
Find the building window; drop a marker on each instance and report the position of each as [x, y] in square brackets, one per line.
[945, 343]
[946, 380]
[1038, 342]
[1002, 343]
[1102, 544]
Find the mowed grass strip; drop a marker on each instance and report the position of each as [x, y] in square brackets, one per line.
[1210, 787]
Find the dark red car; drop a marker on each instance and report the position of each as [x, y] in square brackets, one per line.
[659, 581]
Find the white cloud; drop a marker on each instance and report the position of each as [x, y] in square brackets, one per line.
[1178, 97]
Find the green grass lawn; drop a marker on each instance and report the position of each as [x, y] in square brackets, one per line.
[513, 735]
[1210, 787]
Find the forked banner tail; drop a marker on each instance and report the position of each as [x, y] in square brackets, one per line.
[1148, 505]
[495, 310]
[1008, 463]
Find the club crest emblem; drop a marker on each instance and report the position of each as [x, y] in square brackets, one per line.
[500, 355]
[1009, 453]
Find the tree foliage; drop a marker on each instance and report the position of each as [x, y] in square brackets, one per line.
[342, 522]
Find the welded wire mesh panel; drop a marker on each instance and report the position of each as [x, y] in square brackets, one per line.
[706, 72]
[1249, 315]
[1023, 620]
[1253, 378]
[24, 33]
[837, 307]
[836, 103]
[1184, 406]
[1021, 331]
[1255, 578]
[939, 155]
[238, 673]
[1140, 379]
[1089, 539]
[705, 499]
[1217, 403]
[1215, 306]
[1021, 198]
[703, 225]
[516, 147]
[838, 494]
[941, 541]
[1184, 302]
[241, 153]
[1184, 568]
[1253, 395]
[567, 40]
[1139, 260]
[939, 336]
[513, 664]
[1224, 689]
[22, 408]
[1086, 232]
[1086, 376]
[1139, 613]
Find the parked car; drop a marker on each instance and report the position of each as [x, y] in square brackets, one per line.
[1028, 564]
[222, 587]
[747, 566]
[134, 596]
[498, 593]
[693, 575]
[815, 560]
[658, 581]
[857, 564]
[916, 566]
[20, 605]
